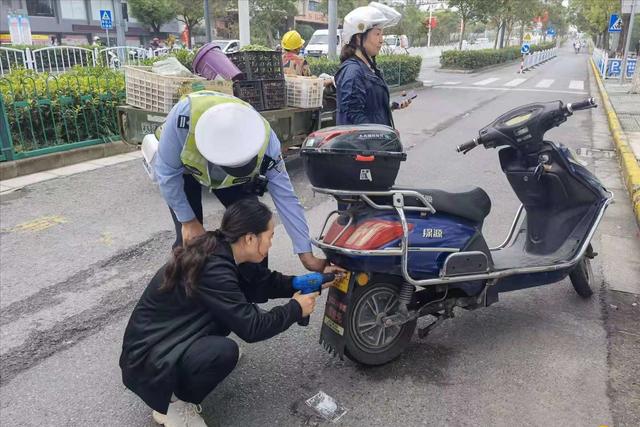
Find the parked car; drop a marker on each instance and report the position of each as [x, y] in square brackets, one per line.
[228, 46]
[395, 44]
[318, 45]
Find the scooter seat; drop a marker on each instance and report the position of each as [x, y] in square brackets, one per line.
[471, 203]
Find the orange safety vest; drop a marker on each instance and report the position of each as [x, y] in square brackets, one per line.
[295, 64]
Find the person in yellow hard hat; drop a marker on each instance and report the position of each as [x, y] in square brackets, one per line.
[292, 62]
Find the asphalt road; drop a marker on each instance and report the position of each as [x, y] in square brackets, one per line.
[77, 251]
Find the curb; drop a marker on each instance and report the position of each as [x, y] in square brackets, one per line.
[17, 168]
[628, 162]
[413, 85]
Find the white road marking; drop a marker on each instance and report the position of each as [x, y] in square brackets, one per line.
[515, 89]
[545, 83]
[486, 81]
[515, 82]
[576, 84]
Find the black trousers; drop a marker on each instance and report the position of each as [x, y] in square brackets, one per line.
[193, 190]
[203, 366]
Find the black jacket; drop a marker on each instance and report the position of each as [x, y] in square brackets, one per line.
[164, 324]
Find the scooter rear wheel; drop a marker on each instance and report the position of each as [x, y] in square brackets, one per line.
[582, 276]
[367, 340]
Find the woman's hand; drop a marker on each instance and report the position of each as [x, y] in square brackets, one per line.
[191, 230]
[307, 302]
[312, 263]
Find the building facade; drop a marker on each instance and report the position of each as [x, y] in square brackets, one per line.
[73, 22]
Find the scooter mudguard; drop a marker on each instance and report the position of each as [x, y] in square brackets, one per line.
[334, 321]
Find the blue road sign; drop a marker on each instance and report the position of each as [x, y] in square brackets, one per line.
[525, 48]
[551, 31]
[105, 19]
[615, 24]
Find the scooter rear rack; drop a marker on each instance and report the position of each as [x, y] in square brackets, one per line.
[403, 250]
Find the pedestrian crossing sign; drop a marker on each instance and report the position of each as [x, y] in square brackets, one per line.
[615, 24]
[105, 19]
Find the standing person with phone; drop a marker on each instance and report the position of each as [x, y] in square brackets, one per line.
[362, 94]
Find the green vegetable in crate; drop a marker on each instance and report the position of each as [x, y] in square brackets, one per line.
[255, 48]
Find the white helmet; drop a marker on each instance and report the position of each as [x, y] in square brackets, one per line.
[362, 19]
[230, 134]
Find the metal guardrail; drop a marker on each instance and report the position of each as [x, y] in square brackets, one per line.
[612, 67]
[531, 60]
[57, 59]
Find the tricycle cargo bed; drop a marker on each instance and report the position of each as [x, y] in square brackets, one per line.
[292, 125]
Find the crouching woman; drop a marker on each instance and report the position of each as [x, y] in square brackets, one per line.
[176, 349]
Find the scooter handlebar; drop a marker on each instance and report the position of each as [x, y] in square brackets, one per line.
[581, 105]
[467, 146]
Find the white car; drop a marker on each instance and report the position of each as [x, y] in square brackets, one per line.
[319, 43]
[227, 46]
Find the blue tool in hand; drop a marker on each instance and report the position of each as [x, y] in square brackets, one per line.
[310, 283]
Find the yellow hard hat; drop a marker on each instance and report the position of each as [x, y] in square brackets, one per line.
[292, 40]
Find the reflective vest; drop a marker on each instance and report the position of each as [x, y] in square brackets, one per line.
[208, 174]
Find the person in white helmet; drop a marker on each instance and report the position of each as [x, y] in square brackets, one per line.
[362, 94]
[220, 142]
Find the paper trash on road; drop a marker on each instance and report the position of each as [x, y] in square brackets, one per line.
[326, 407]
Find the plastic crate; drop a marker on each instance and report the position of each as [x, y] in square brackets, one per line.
[274, 94]
[258, 65]
[304, 92]
[249, 91]
[152, 91]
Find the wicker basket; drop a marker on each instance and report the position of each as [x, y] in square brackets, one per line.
[304, 92]
[152, 91]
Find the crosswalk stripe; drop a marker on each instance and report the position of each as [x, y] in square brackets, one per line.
[486, 81]
[545, 83]
[515, 82]
[576, 84]
[451, 83]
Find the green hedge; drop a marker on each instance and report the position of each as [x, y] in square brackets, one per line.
[45, 110]
[474, 59]
[397, 69]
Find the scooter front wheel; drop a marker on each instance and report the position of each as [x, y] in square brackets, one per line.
[582, 276]
[368, 341]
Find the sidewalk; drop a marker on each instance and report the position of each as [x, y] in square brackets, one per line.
[623, 115]
[627, 108]
[13, 184]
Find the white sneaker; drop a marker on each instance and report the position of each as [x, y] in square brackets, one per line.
[180, 414]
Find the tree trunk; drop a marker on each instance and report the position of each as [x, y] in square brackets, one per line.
[188, 38]
[462, 26]
[503, 26]
[495, 42]
[522, 33]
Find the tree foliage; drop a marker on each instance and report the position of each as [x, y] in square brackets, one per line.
[191, 13]
[270, 19]
[153, 13]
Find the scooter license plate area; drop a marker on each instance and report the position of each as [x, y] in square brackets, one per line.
[334, 322]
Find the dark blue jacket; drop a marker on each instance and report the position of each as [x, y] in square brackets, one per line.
[362, 96]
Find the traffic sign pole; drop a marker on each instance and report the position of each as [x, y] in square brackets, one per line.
[107, 30]
[623, 72]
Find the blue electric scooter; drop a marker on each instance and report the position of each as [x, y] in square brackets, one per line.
[417, 252]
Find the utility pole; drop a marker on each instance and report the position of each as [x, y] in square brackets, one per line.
[430, 22]
[119, 23]
[634, 4]
[207, 20]
[333, 28]
[244, 22]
